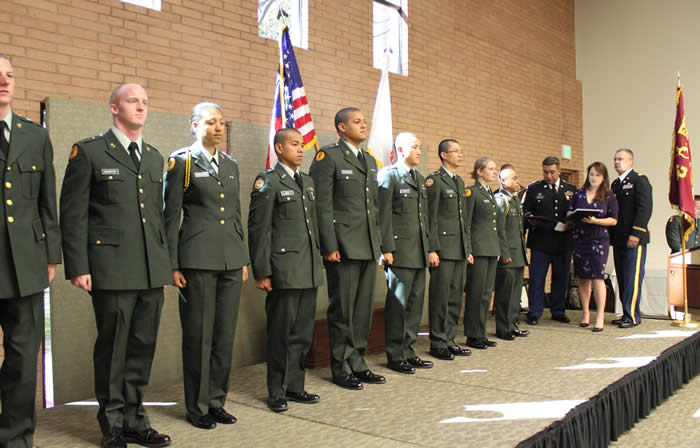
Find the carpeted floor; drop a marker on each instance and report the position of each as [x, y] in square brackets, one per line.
[523, 379]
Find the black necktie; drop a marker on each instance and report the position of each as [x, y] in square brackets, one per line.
[215, 165]
[413, 175]
[297, 179]
[133, 152]
[4, 145]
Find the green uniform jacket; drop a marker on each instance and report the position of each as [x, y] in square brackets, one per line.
[112, 216]
[512, 236]
[29, 232]
[484, 222]
[402, 216]
[674, 235]
[283, 231]
[446, 216]
[210, 236]
[346, 192]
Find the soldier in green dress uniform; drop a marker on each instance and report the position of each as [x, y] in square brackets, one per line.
[115, 248]
[208, 260]
[511, 267]
[450, 247]
[284, 249]
[486, 249]
[30, 248]
[348, 222]
[403, 218]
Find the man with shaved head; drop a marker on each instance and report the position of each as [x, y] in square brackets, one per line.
[116, 249]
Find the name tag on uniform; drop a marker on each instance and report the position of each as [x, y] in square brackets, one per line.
[201, 174]
[627, 186]
[404, 190]
[287, 193]
[109, 171]
[345, 172]
[487, 200]
[449, 191]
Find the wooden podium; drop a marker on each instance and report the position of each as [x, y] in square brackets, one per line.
[675, 278]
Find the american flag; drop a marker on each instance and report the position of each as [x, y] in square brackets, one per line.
[290, 108]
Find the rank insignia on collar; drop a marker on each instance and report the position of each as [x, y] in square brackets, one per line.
[19, 125]
[259, 182]
[112, 145]
[429, 182]
[320, 156]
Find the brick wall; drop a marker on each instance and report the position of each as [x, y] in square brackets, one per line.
[499, 75]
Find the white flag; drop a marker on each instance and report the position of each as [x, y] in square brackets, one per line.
[380, 141]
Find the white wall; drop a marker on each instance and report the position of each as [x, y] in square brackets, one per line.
[627, 56]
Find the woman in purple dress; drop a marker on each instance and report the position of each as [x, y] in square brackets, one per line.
[591, 240]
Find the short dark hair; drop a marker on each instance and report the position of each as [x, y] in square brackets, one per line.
[628, 151]
[505, 166]
[343, 114]
[444, 146]
[551, 160]
[281, 135]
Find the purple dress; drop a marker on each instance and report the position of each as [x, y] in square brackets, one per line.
[591, 241]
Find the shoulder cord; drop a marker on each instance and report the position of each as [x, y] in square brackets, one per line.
[188, 169]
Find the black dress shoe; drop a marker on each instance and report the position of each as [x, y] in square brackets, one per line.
[477, 343]
[369, 377]
[627, 324]
[561, 318]
[401, 367]
[442, 353]
[531, 320]
[506, 336]
[148, 437]
[221, 416]
[616, 321]
[459, 351]
[420, 363]
[348, 382]
[203, 421]
[302, 397]
[520, 333]
[277, 404]
[597, 329]
[490, 343]
[114, 439]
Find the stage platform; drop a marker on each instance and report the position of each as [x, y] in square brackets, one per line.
[498, 397]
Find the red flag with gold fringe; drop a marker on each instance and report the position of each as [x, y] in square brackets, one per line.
[680, 192]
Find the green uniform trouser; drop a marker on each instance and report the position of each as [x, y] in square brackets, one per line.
[480, 282]
[208, 315]
[509, 286]
[127, 329]
[22, 322]
[350, 297]
[290, 329]
[403, 311]
[445, 303]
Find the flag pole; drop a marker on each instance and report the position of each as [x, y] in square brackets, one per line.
[686, 322]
